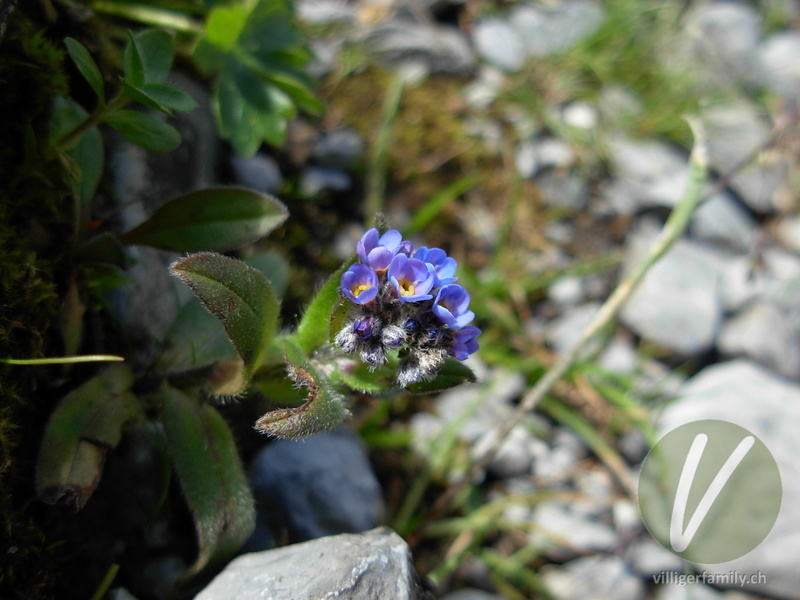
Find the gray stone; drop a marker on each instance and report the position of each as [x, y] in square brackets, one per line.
[498, 43]
[439, 48]
[565, 331]
[525, 159]
[471, 594]
[366, 566]
[722, 221]
[677, 304]
[650, 173]
[580, 115]
[547, 30]
[678, 589]
[514, 456]
[648, 558]
[142, 181]
[594, 578]
[326, 12]
[481, 407]
[554, 152]
[723, 40]
[339, 149]
[566, 291]
[563, 189]
[762, 332]
[734, 131]
[259, 172]
[316, 180]
[555, 466]
[747, 394]
[562, 531]
[484, 88]
[779, 64]
[318, 486]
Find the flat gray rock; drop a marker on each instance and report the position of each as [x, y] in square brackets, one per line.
[366, 566]
[498, 43]
[678, 303]
[546, 30]
[734, 131]
[594, 578]
[747, 394]
[779, 54]
[763, 332]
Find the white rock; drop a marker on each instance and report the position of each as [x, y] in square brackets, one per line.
[678, 303]
[594, 578]
[553, 29]
[779, 64]
[749, 395]
[762, 331]
[498, 44]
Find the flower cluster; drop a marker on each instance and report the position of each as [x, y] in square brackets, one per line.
[406, 299]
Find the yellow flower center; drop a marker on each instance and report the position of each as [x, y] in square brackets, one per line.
[406, 288]
[360, 289]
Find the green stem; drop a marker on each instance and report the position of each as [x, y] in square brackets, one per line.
[108, 579]
[63, 360]
[98, 116]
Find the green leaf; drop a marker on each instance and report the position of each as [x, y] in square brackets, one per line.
[211, 476]
[87, 67]
[84, 427]
[239, 296]
[253, 89]
[225, 23]
[322, 411]
[238, 122]
[363, 380]
[104, 249]
[274, 267]
[144, 130]
[142, 97]
[215, 219]
[313, 330]
[87, 155]
[156, 54]
[453, 373]
[273, 128]
[170, 96]
[194, 340]
[132, 63]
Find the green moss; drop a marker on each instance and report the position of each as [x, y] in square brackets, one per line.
[33, 202]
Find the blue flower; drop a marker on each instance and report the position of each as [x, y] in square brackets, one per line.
[443, 265]
[360, 284]
[464, 342]
[452, 306]
[377, 251]
[411, 278]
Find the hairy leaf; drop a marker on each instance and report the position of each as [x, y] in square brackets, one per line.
[211, 476]
[322, 411]
[453, 373]
[84, 427]
[239, 296]
[217, 219]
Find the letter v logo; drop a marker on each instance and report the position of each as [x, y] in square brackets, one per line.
[709, 491]
[679, 538]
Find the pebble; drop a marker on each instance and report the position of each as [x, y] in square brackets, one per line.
[551, 29]
[318, 486]
[781, 70]
[678, 303]
[339, 149]
[259, 172]
[498, 43]
[316, 180]
[594, 578]
[734, 131]
[563, 532]
[763, 332]
[365, 566]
